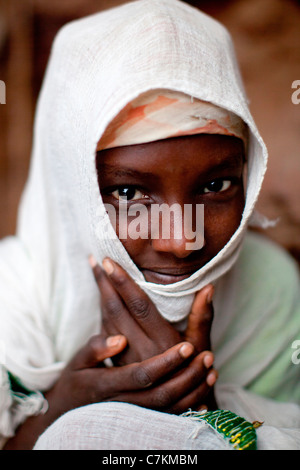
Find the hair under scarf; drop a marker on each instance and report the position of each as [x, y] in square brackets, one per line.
[162, 114]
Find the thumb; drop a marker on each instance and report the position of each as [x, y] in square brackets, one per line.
[200, 319]
[97, 349]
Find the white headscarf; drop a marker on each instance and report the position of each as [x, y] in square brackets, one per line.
[49, 302]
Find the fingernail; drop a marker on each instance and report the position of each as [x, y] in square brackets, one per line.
[203, 409]
[113, 341]
[186, 350]
[210, 294]
[208, 360]
[92, 261]
[108, 266]
[211, 379]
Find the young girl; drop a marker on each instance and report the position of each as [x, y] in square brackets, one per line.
[116, 336]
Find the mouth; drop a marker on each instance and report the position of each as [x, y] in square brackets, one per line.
[168, 276]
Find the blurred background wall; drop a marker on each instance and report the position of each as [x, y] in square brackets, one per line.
[266, 34]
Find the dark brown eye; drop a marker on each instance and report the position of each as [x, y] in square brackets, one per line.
[129, 193]
[217, 186]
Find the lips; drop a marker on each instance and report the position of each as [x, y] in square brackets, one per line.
[168, 275]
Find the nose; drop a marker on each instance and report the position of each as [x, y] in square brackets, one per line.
[175, 235]
[175, 247]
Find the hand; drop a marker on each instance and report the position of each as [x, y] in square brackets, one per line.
[127, 309]
[85, 380]
[161, 382]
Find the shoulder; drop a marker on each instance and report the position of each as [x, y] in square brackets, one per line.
[258, 314]
[262, 260]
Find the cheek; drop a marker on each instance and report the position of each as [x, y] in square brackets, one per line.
[135, 248]
[133, 232]
[221, 222]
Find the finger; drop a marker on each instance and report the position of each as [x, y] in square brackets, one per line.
[138, 303]
[208, 359]
[193, 401]
[194, 375]
[199, 398]
[97, 350]
[142, 375]
[115, 316]
[210, 401]
[108, 326]
[202, 408]
[164, 395]
[212, 377]
[200, 319]
[199, 392]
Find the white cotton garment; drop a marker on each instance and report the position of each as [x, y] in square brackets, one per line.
[98, 65]
[49, 302]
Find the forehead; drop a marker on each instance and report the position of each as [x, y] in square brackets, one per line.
[202, 151]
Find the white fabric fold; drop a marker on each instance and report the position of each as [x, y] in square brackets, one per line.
[15, 407]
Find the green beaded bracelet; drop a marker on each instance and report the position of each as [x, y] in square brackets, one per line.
[237, 431]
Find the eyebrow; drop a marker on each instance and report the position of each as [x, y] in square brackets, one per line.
[233, 161]
[123, 172]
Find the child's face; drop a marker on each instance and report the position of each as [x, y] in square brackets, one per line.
[191, 170]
